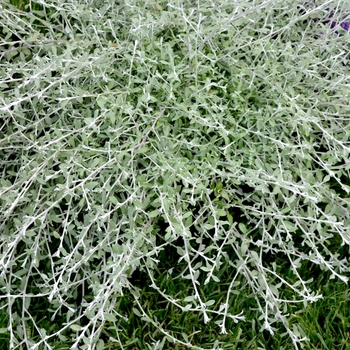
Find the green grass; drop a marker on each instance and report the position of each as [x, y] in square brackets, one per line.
[152, 316]
[326, 322]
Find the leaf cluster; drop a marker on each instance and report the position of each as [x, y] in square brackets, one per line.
[218, 130]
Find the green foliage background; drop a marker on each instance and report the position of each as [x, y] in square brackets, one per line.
[217, 132]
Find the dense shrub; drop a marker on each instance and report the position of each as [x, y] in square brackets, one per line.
[216, 129]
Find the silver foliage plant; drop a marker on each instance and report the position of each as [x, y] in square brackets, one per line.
[227, 121]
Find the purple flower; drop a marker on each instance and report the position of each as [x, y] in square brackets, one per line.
[345, 25]
[333, 24]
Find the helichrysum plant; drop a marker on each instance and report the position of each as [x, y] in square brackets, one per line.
[219, 129]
